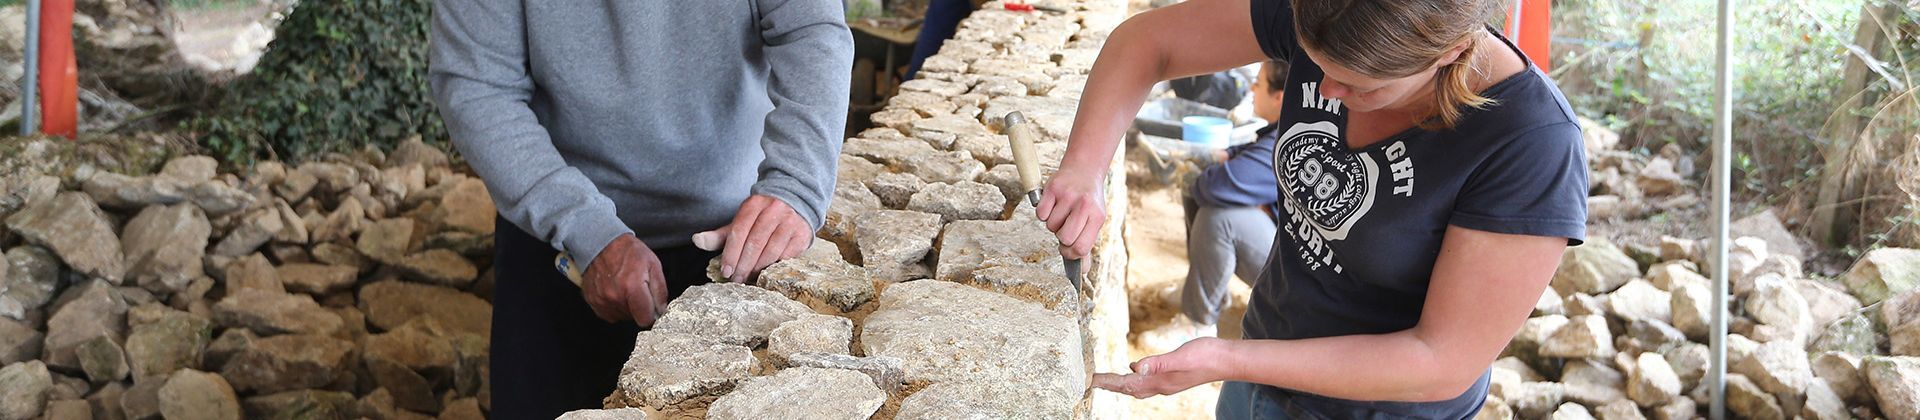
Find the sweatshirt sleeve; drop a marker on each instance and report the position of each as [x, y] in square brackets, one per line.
[1245, 179]
[477, 67]
[810, 52]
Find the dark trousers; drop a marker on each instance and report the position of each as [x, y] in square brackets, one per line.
[550, 354]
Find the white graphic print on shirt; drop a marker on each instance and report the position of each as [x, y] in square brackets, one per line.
[1326, 188]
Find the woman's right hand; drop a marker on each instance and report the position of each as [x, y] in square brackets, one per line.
[1074, 206]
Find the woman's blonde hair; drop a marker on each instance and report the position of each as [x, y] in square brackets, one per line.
[1389, 39]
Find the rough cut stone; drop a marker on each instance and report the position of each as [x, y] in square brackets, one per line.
[102, 360]
[1592, 383]
[18, 342]
[1652, 382]
[886, 372]
[164, 246]
[32, 275]
[1571, 411]
[1594, 268]
[76, 230]
[850, 200]
[269, 313]
[813, 333]
[667, 368]
[257, 228]
[439, 266]
[965, 200]
[731, 313]
[173, 341]
[1033, 283]
[391, 304]
[628, 413]
[1747, 400]
[307, 402]
[1896, 384]
[801, 393]
[982, 399]
[1670, 275]
[467, 208]
[316, 279]
[288, 362]
[970, 245]
[827, 280]
[895, 189]
[1639, 300]
[947, 167]
[387, 241]
[1778, 367]
[26, 384]
[950, 332]
[1777, 302]
[192, 394]
[1767, 226]
[1692, 310]
[891, 240]
[94, 310]
[893, 153]
[413, 151]
[252, 272]
[1619, 410]
[1823, 404]
[1537, 399]
[1583, 337]
[1841, 372]
[1883, 273]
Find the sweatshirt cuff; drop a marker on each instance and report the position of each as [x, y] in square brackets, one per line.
[584, 237]
[786, 191]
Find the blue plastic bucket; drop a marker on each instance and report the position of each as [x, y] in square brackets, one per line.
[1206, 131]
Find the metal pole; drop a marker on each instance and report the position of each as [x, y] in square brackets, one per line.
[1513, 21]
[1722, 211]
[29, 93]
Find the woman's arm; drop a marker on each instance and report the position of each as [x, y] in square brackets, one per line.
[1195, 37]
[1484, 286]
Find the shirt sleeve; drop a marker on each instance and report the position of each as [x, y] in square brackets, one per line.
[1535, 184]
[477, 67]
[1245, 179]
[1273, 27]
[810, 51]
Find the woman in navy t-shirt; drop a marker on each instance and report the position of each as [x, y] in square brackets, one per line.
[1430, 178]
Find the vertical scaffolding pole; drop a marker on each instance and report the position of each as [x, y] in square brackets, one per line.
[29, 93]
[1722, 211]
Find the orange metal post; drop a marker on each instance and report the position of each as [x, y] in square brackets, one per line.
[59, 76]
[1535, 31]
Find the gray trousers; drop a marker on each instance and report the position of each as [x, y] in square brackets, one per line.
[1221, 242]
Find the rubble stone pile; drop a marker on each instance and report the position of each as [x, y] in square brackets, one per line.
[341, 288]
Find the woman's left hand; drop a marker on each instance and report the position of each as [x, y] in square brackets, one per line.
[1194, 363]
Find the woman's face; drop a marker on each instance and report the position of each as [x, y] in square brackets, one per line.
[1366, 94]
[1266, 98]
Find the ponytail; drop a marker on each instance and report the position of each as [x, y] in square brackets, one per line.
[1453, 92]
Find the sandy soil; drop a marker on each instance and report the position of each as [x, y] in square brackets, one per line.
[1157, 265]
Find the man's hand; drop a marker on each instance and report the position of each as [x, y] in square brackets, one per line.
[765, 230]
[625, 282]
[1191, 365]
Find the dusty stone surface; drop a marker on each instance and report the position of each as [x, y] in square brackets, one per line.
[1692, 310]
[192, 394]
[27, 384]
[895, 189]
[810, 333]
[827, 279]
[890, 241]
[92, 311]
[1896, 384]
[316, 279]
[1583, 337]
[1640, 300]
[1882, 273]
[970, 245]
[1777, 367]
[391, 304]
[1591, 383]
[317, 403]
[949, 332]
[850, 200]
[1653, 383]
[887, 372]
[164, 246]
[1594, 268]
[965, 200]
[438, 266]
[32, 276]
[256, 229]
[387, 240]
[1748, 400]
[627, 413]
[947, 167]
[287, 362]
[730, 313]
[76, 230]
[667, 368]
[270, 313]
[173, 341]
[19, 342]
[802, 393]
[102, 360]
[977, 400]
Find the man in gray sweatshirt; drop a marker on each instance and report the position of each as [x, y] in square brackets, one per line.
[614, 130]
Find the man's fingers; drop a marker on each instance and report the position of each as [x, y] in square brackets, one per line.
[639, 300]
[736, 235]
[657, 285]
[766, 222]
[777, 245]
[712, 240]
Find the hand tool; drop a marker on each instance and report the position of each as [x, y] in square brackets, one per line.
[1021, 136]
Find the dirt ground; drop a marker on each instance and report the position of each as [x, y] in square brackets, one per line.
[1156, 266]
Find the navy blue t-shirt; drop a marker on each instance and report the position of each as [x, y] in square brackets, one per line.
[1360, 229]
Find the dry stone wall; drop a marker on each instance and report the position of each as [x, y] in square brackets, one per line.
[933, 292]
[351, 287]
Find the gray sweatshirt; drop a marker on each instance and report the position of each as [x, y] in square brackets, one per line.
[589, 119]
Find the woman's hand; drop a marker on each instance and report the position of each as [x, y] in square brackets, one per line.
[1194, 363]
[1074, 206]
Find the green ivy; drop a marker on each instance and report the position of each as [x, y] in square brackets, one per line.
[339, 75]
